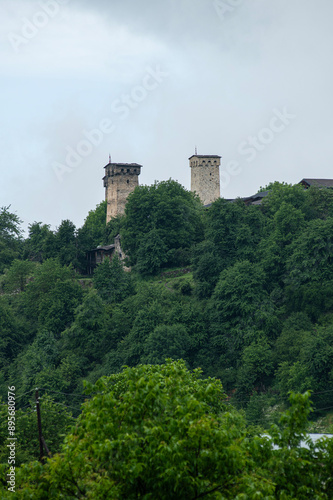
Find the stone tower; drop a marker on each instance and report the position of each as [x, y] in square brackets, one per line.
[120, 180]
[205, 177]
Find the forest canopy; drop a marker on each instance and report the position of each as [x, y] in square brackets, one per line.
[243, 292]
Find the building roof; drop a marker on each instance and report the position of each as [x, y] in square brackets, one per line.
[124, 165]
[205, 156]
[256, 199]
[327, 183]
[105, 248]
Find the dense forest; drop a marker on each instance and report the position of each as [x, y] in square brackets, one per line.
[243, 292]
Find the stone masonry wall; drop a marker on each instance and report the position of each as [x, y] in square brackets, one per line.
[205, 177]
[119, 181]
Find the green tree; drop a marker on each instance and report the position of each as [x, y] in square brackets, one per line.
[256, 368]
[310, 270]
[235, 230]
[35, 246]
[10, 237]
[51, 298]
[311, 367]
[164, 432]
[273, 251]
[176, 214]
[56, 422]
[65, 243]
[131, 348]
[43, 355]
[43, 244]
[95, 232]
[113, 228]
[318, 203]
[16, 276]
[240, 302]
[94, 225]
[294, 195]
[152, 254]
[207, 266]
[90, 335]
[239, 312]
[112, 282]
[10, 339]
[296, 329]
[166, 341]
[152, 432]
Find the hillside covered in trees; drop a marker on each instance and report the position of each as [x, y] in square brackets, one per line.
[245, 293]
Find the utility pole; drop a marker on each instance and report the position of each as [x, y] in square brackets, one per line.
[40, 435]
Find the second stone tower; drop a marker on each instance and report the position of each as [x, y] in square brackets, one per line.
[205, 177]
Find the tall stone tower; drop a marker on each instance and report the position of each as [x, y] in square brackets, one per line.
[120, 180]
[205, 177]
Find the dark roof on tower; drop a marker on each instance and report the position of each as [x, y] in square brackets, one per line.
[124, 165]
[205, 156]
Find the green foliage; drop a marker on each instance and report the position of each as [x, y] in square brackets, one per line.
[289, 343]
[152, 254]
[166, 341]
[312, 253]
[112, 229]
[207, 267]
[56, 422]
[161, 431]
[296, 471]
[272, 185]
[94, 224]
[16, 276]
[94, 232]
[309, 364]
[167, 209]
[259, 410]
[65, 243]
[39, 361]
[45, 244]
[256, 310]
[38, 245]
[256, 368]
[10, 234]
[10, 338]
[151, 432]
[318, 203]
[112, 282]
[9, 225]
[241, 303]
[294, 195]
[131, 348]
[184, 285]
[235, 230]
[91, 334]
[310, 269]
[52, 296]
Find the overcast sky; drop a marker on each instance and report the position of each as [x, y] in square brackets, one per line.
[149, 80]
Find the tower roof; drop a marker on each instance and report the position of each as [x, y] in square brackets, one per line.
[205, 156]
[123, 165]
